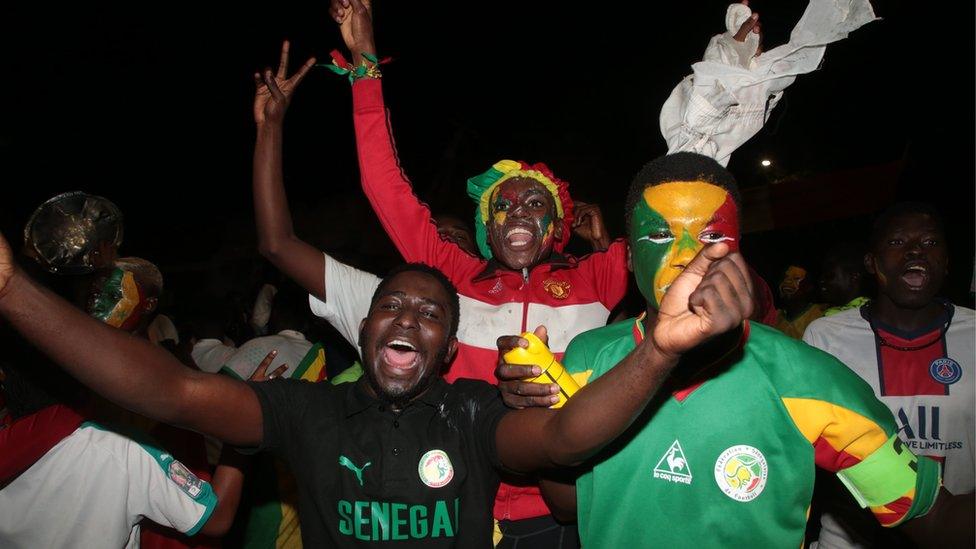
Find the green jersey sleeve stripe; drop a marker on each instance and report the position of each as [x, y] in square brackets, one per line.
[887, 474]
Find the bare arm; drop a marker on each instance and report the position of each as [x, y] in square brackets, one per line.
[128, 370]
[712, 296]
[228, 477]
[560, 497]
[227, 483]
[276, 237]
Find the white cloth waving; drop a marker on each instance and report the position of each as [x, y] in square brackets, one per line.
[731, 91]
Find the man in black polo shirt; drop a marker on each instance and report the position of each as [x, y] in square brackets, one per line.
[399, 456]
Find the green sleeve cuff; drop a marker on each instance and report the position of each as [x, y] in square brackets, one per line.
[926, 488]
[887, 474]
[209, 500]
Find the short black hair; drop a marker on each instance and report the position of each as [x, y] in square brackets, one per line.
[681, 166]
[452, 295]
[900, 209]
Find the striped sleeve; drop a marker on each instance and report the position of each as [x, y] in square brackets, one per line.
[878, 470]
[853, 434]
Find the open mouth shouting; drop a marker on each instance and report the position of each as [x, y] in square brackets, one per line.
[916, 275]
[400, 356]
[519, 238]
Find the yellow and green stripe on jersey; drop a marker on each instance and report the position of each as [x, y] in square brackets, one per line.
[734, 455]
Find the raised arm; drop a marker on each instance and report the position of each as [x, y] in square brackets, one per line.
[276, 238]
[406, 220]
[712, 296]
[125, 369]
[589, 226]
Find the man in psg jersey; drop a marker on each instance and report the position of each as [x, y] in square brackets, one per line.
[916, 352]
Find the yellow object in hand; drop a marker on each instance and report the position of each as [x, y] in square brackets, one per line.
[538, 354]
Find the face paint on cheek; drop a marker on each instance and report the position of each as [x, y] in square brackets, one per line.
[500, 204]
[791, 280]
[648, 257]
[726, 221]
[118, 300]
[695, 213]
[547, 230]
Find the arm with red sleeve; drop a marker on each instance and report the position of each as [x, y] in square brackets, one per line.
[405, 218]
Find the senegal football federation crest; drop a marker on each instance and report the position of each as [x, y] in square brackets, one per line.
[741, 472]
[673, 466]
[435, 469]
[184, 479]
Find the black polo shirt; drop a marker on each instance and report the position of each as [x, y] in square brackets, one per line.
[423, 477]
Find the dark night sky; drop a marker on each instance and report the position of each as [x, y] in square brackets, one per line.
[149, 104]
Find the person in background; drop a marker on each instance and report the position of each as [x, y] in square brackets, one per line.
[66, 481]
[916, 351]
[796, 293]
[843, 279]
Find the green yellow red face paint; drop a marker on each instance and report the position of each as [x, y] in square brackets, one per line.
[792, 278]
[522, 227]
[672, 223]
[117, 300]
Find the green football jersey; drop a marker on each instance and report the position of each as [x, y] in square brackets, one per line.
[729, 462]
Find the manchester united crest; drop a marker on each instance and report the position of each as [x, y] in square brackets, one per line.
[559, 289]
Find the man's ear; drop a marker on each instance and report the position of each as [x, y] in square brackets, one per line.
[149, 305]
[362, 326]
[452, 345]
[630, 259]
[869, 264]
[557, 231]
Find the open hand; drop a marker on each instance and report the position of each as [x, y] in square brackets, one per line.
[274, 91]
[515, 390]
[710, 297]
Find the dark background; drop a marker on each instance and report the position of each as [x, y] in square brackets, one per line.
[149, 104]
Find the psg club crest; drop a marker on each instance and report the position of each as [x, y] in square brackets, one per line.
[945, 371]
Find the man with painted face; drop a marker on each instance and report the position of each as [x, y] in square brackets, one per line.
[523, 219]
[724, 455]
[796, 293]
[125, 294]
[125, 488]
[401, 456]
[916, 352]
